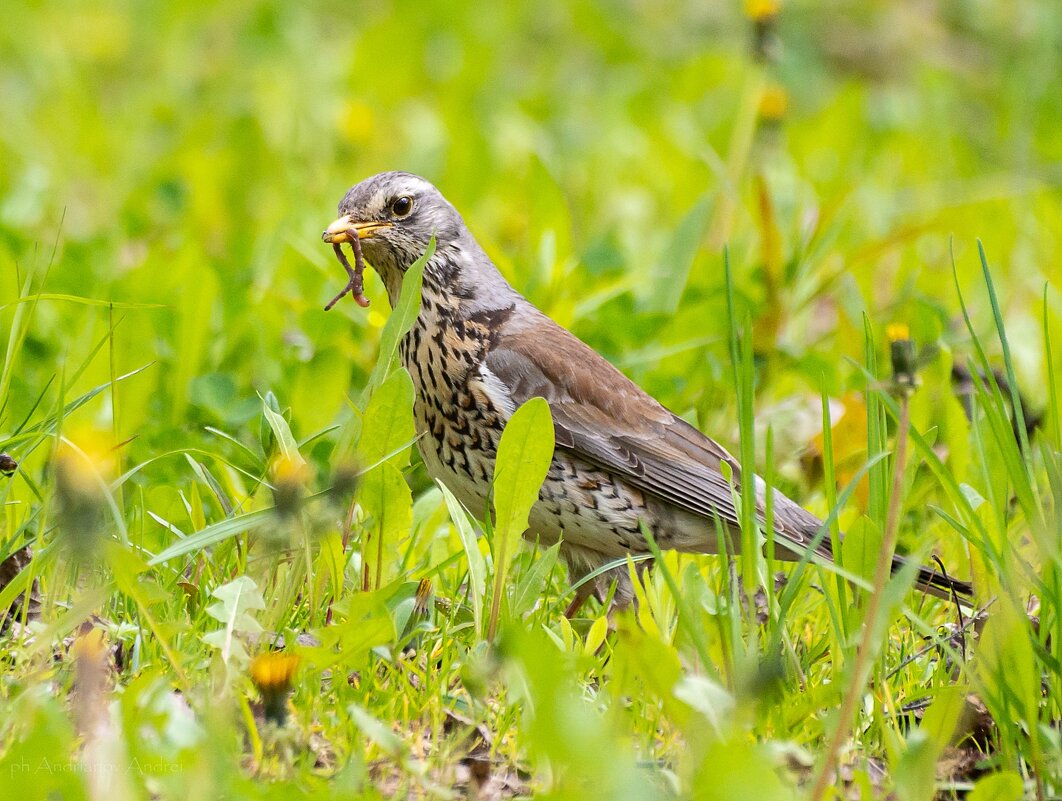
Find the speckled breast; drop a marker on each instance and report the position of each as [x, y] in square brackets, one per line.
[462, 427]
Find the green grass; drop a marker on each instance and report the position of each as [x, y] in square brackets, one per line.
[212, 466]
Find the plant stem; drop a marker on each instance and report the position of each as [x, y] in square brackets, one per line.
[501, 558]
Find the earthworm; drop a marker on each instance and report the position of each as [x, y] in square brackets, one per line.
[355, 275]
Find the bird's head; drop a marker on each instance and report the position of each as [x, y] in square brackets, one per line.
[394, 215]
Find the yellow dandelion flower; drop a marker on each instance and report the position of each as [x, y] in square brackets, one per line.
[773, 103]
[274, 672]
[273, 675]
[291, 476]
[904, 359]
[84, 466]
[760, 10]
[895, 332]
[84, 459]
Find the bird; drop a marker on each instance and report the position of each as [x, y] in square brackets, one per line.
[478, 350]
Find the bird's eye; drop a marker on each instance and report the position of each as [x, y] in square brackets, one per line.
[401, 207]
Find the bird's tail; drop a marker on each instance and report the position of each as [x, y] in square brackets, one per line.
[935, 581]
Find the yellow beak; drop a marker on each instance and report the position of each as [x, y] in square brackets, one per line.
[344, 229]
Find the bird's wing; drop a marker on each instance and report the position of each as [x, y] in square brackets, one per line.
[601, 416]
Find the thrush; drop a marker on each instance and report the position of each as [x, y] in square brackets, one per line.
[478, 350]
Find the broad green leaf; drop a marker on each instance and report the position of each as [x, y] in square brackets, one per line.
[385, 496]
[860, 548]
[942, 717]
[1003, 786]
[1006, 659]
[477, 567]
[596, 636]
[403, 607]
[211, 481]
[715, 704]
[524, 456]
[567, 637]
[896, 589]
[266, 437]
[230, 646]
[363, 622]
[916, 771]
[643, 608]
[236, 601]
[282, 431]
[196, 512]
[529, 589]
[388, 421]
[737, 768]
[399, 322]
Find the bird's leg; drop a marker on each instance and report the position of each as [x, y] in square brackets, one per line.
[355, 275]
[581, 595]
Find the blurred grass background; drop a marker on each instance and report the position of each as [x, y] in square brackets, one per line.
[189, 154]
[181, 159]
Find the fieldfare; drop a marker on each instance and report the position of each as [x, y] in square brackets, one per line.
[479, 349]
